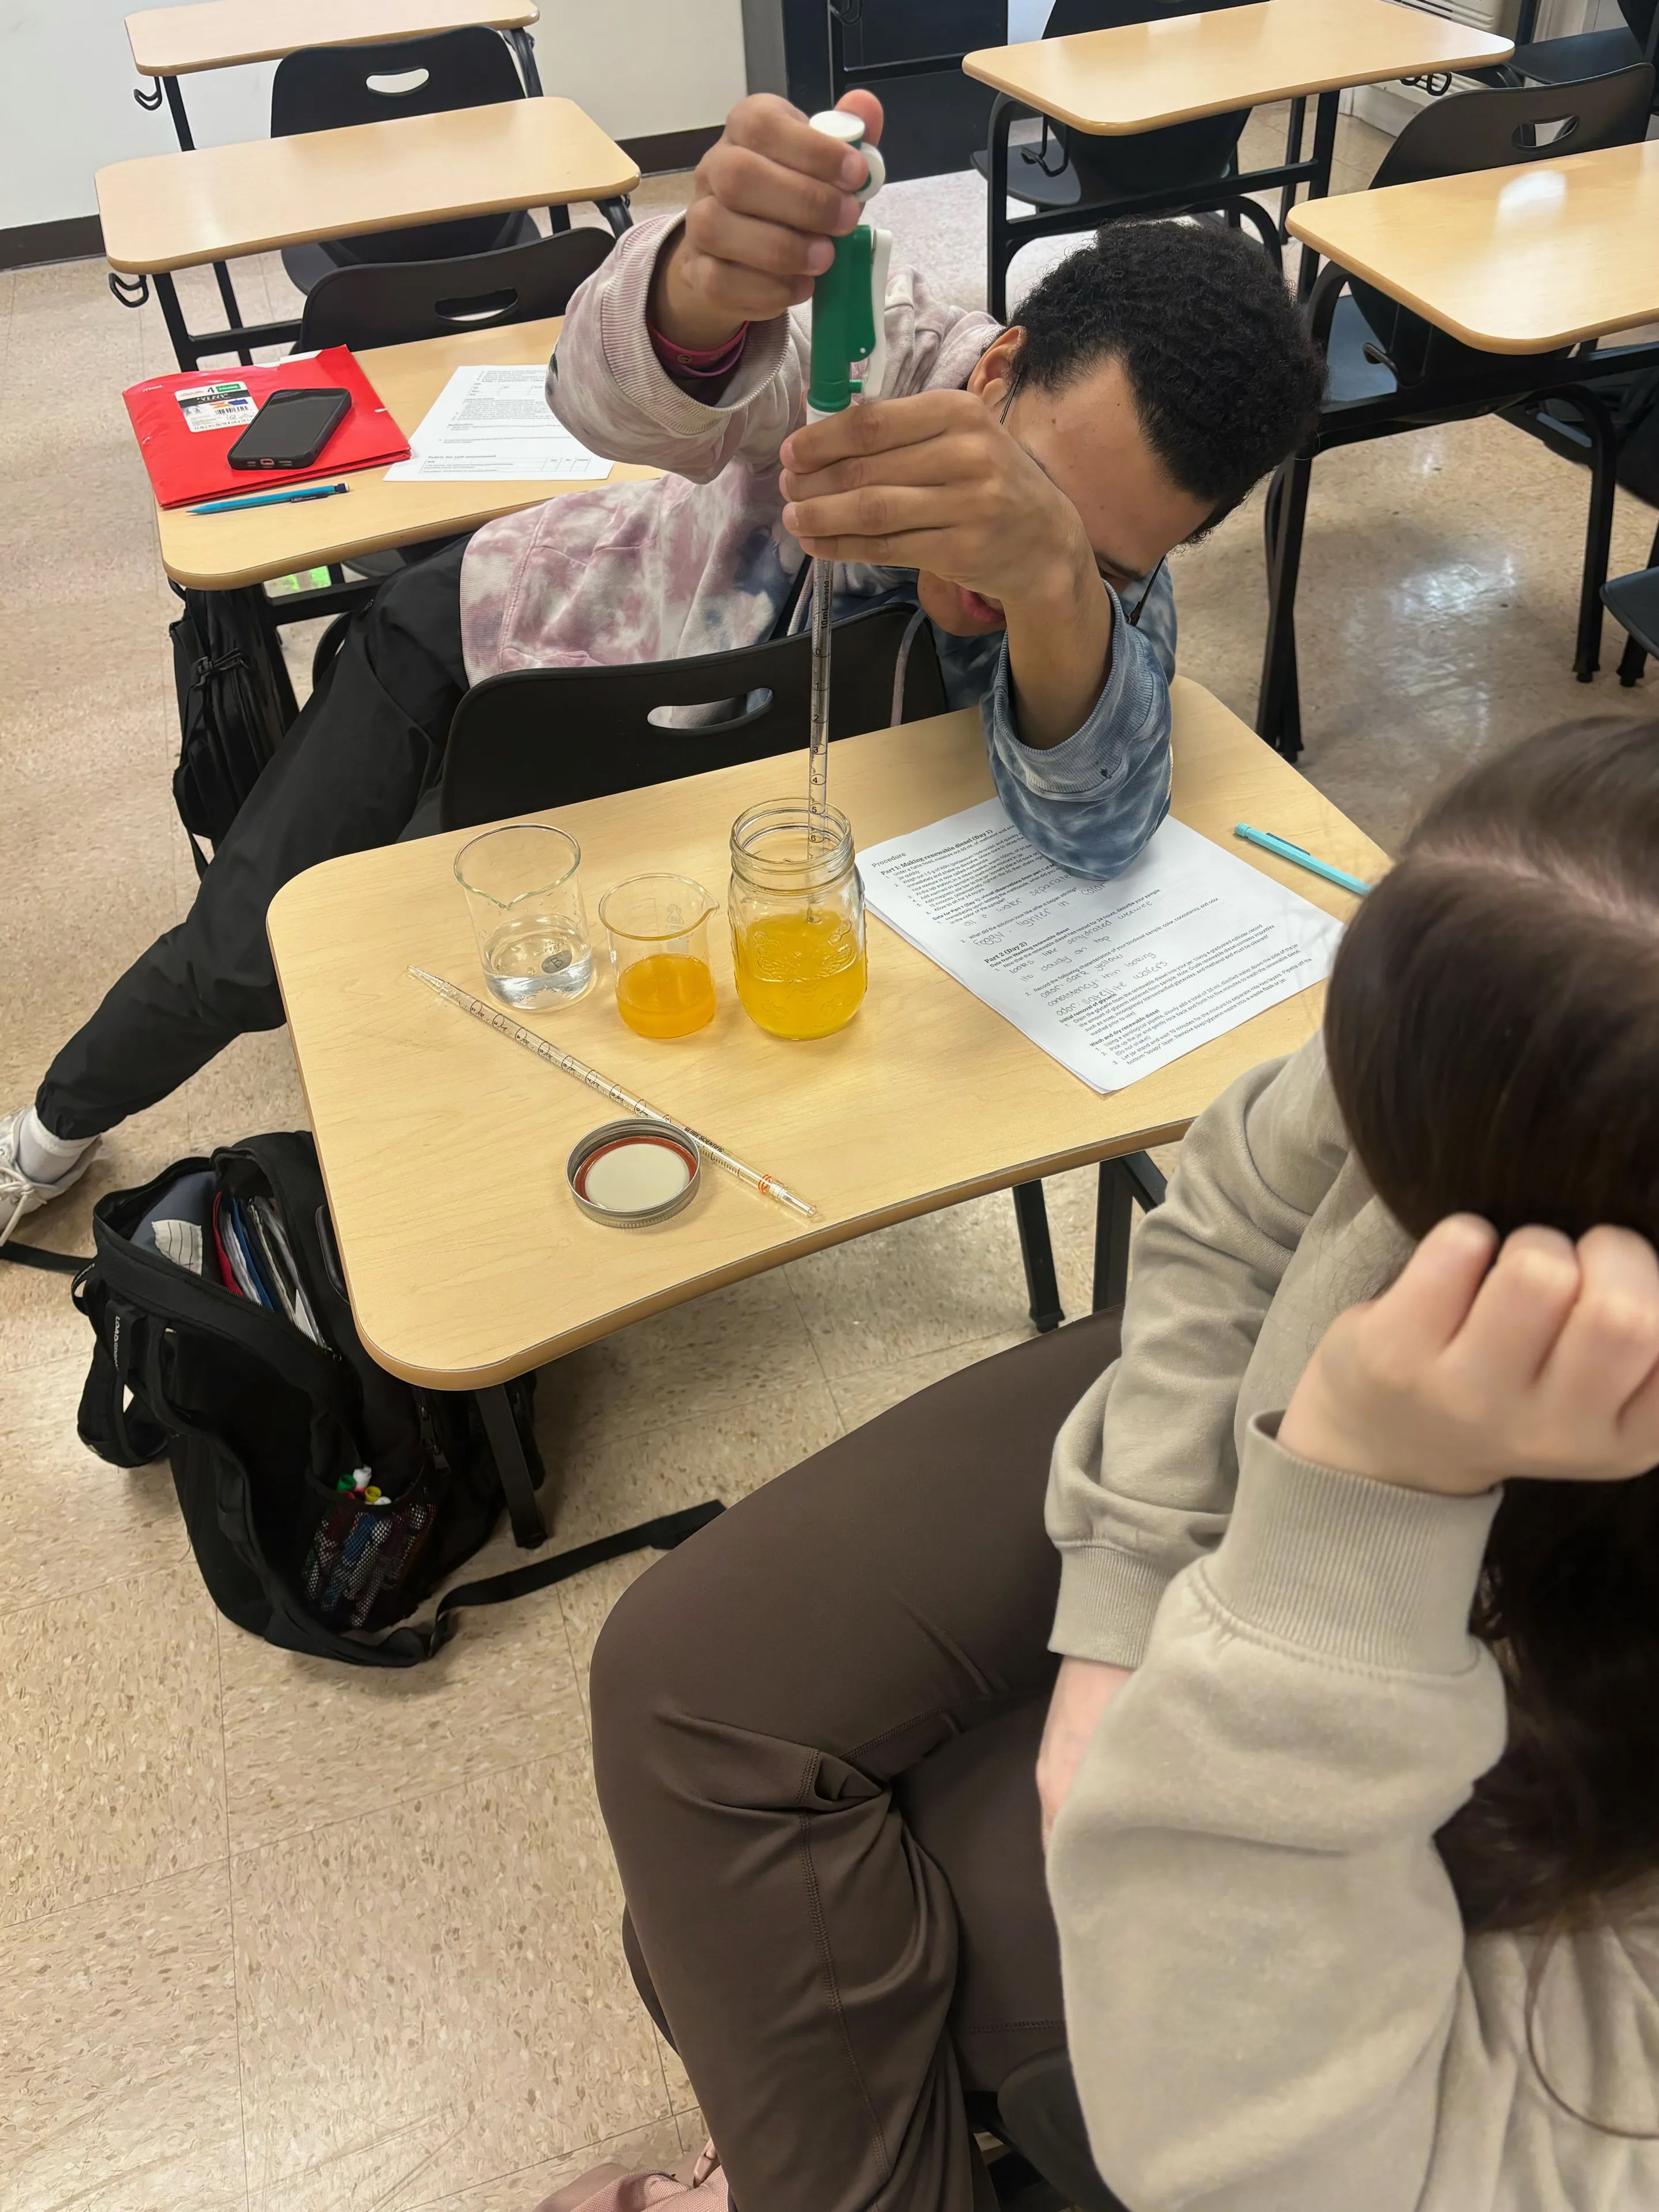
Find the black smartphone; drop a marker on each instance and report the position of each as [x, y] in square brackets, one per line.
[291, 428]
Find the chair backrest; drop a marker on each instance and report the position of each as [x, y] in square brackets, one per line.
[1069, 17]
[331, 88]
[548, 737]
[395, 302]
[1494, 129]
[1638, 20]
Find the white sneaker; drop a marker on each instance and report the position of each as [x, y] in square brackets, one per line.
[20, 1194]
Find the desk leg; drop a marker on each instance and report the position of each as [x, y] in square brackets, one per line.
[221, 274]
[1324, 146]
[1042, 1284]
[997, 254]
[183, 345]
[1278, 716]
[1124, 1184]
[1598, 531]
[1292, 155]
[529, 1529]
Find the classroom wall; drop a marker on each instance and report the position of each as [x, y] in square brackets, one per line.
[640, 67]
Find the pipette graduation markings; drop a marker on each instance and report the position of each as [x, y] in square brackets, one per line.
[849, 303]
[544, 1049]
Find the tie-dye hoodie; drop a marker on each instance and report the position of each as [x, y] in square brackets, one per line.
[699, 561]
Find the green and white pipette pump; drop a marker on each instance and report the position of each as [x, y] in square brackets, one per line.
[849, 360]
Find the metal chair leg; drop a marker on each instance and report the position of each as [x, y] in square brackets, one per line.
[997, 245]
[1598, 532]
[524, 1507]
[1042, 1284]
[1125, 1183]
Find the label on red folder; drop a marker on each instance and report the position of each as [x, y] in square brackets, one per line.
[187, 426]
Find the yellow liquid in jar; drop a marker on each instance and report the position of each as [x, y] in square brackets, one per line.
[799, 975]
[667, 995]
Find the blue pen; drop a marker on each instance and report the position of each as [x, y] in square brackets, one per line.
[270, 498]
[1301, 858]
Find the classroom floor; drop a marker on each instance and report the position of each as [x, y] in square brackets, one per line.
[281, 1938]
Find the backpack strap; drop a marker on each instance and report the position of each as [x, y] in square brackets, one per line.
[125, 1435]
[663, 1534]
[50, 1263]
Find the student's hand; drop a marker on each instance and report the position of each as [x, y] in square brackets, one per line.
[935, 482]
[1083, 1690]
[767, 200]
[1471, 1371]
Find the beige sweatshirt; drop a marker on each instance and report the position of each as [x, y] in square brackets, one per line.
[1270, 2002]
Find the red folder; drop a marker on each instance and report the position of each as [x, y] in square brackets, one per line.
[187, 423]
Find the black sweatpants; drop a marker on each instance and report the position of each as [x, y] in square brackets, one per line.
[368, 746]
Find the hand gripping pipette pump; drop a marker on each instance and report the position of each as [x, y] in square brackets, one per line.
[849, 360]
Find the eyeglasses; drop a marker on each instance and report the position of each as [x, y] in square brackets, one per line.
[1016, 385]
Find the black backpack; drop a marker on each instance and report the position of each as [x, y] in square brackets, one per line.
[324, 1498]
[235, 706]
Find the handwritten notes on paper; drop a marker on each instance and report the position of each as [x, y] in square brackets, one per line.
[1113, 980]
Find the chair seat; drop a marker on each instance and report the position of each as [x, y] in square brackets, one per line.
[1029, 181]
[1634, 602]
[1565, 61]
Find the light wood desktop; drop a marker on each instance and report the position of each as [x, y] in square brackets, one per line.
[1142, 75]
[444, 1146]
[223, 33]
[217, 552]
[1511, 260]
[176, 211]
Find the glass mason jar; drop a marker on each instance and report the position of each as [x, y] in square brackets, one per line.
[797, 913]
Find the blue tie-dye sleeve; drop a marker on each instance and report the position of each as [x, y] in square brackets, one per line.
[1091, 802]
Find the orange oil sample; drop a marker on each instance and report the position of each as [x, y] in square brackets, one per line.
[668, 994]
[800, 975]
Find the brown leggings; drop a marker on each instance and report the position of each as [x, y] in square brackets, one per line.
[814, 1730]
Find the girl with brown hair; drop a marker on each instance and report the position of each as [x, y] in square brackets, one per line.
[1352, 1746]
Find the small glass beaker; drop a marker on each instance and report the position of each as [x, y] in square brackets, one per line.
[797, 911]
[525, 899]
[657, 928]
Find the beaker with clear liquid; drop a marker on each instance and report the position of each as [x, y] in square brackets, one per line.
[523, 889]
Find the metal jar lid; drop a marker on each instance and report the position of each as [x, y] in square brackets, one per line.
[634, 1174]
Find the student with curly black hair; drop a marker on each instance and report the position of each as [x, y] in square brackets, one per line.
[1024, 486]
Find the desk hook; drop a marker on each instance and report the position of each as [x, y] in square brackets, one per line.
[131, 291]
[149, 100]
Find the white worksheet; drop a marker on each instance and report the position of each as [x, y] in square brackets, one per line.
[495, 426]
[1113, 980]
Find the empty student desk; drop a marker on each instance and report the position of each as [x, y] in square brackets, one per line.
[1141, 77]
[1517, 262]
[222, 552]
[468, 1263]
[169, 43]
[172, 211]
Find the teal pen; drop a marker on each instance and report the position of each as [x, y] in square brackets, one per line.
[271, 498]
[1301, 858]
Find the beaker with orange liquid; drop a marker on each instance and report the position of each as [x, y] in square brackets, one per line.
[797, 913]
[658, 929]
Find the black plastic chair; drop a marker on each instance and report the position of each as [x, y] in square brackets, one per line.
[397, 302]
[1633, 602]
[1066, 168]
[331, 88]
[540, 738]
[1586, 53]
[1390, 371]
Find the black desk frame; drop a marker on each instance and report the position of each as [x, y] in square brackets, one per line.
[1512, 381]
[1005, 233]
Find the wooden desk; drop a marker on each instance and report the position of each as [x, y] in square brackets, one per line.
[219, 552]
[1112, 83]
[172, 211]
[224, 33]
[469, 1264]
[1143, 76]
[1514, 261]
